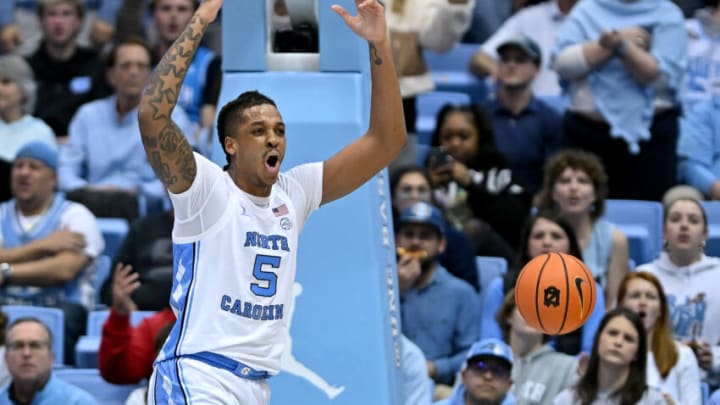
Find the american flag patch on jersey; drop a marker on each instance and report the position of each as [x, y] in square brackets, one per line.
[280, 210]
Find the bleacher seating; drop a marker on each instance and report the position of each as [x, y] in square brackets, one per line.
[712, 209]
[641, 221]
[90, 380]
[428, 105]
[450, 72]
[87, 347]
[488, 268]
[113, 231]
[54, 318]
[102, 272]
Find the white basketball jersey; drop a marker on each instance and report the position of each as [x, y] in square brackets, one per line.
[234, 261]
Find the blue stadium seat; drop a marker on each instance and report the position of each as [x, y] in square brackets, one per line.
[558, 103]
[54, 318]
[641, 221]
[428, 105]
[450, 72]
[90, 380]
[87, 347]
[102, 272]
[113, 231]
[712, 209]
[705, 390]
[457, 58]
[488, 268]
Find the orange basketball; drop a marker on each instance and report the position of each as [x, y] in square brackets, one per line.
[555, 293]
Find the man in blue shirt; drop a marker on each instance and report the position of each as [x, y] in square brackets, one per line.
[527, 130]
[29, 357]
[439, 311]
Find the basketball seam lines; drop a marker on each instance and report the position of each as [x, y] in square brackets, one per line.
[567, 292]
[537, 288]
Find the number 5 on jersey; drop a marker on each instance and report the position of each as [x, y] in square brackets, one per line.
[263, 275]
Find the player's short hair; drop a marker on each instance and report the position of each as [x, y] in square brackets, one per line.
[79, 6]
[231, 114]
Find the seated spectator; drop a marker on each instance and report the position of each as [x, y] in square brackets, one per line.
[17, 100]
[443, 332]
[147, 249]
[416, 384]
[575, 184]
[527, 131]
[615, 373]
[47, 244]
[689, 279]
[624, 62]
[545, 232]
[67, 74]
[671, 365]
[540, 22]
[698, 148]
[410, 185]
[471, 178]
[534, 356]
[701, 82]
[126, 354]
[29, 357]
[486, 376]
[109, 173]
[4, 374]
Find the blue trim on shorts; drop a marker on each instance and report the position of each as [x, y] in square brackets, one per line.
[167, 377]
[237, 368]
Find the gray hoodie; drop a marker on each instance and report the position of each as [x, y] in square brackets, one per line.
[540, 376]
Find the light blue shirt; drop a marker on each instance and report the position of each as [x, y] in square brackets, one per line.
[54, 392]
[417, 388]
[441, 318]
[106, 149]
[698, 147]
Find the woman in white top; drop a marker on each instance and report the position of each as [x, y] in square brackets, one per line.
[671, 365]
[615, 373]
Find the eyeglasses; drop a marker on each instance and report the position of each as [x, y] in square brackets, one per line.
[423, 193]
[518, 59]
[34, 345]
[496, 370]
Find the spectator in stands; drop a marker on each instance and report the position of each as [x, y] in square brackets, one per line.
[126, 354]
[410, 185]
[147, 249]
[575, 184]
[17, 126]
[701, 82]
[527, 130]
[615, 373]
[624, 61]
[109, 173]
[698, 148]
[471, 179]
[544, 232]
[486, 376]
[443, 332]
[671, 365]
[29, 358]
[414, 26]
[540, 22]
[534, 356]
[47, 244]
[689, 279]
[4, 374]
[416, 384]
[67, 74]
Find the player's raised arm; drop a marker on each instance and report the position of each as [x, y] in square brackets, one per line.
[167, 149]
[386, 136]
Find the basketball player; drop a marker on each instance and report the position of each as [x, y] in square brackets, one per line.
[236, 231]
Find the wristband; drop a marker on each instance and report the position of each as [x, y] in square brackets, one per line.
[5, 271]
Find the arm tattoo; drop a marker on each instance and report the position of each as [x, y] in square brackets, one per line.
[376, 57]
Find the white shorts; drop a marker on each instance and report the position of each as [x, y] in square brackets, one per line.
[185, 381]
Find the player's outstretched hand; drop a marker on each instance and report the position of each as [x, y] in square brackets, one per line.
[369, 23]
[209, 9]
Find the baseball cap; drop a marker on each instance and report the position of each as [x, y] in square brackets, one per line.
[527, 45]
[423, 213]
[490, 347]
[15, 68]
[39, 151]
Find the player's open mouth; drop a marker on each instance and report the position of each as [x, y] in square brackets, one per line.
[272, 161]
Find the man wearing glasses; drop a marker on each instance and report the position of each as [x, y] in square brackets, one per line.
[485, 376]
[29, 358]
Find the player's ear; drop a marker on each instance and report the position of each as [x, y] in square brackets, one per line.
[229, 145]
